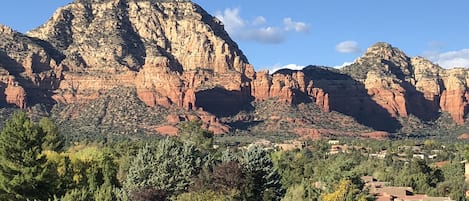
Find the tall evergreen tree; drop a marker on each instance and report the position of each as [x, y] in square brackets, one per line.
[24, 171]
[263, 182]
[52, 141]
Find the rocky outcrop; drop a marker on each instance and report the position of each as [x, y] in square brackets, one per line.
[11, 92]
[455, 96]
[322, 99]
[405, 86]
[288, 86]
[464, 136]
[168, 50]
[209, 122]
[175, 55]
[279, 86]
[167, 130]
[172, 52]
[377, 89]
[212, 123]
[386, 72]
[15, 95]
[387, 92]
[27, 66]
[138, 33]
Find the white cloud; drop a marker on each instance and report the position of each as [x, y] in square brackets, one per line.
[450, 59]
[259, 20]
[263, 35]
[239, 28]
[296, 26]
[231, 19]
[275, 68]
[256, 30]
[344, 64]
[348, 46]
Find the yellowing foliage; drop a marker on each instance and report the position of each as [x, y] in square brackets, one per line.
[344, 192]
[85, 153]
[79, 154]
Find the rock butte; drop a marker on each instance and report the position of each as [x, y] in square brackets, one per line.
[176, 54]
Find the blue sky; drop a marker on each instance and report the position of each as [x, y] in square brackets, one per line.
[302, 32]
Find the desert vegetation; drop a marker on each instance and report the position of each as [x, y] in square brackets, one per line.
[36, 164]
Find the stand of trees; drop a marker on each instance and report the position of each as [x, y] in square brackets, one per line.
[35, 165]
[24, 170]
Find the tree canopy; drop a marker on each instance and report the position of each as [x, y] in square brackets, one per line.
[25, 172]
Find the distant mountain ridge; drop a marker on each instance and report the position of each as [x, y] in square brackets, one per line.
[173, 55]
[385, 84]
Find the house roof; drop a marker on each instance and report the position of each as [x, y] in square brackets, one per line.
[437, 199]
[394, 191]
[367, 179]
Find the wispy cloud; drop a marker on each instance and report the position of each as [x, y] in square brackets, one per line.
[231, 19]
[436, 45]
[348, 46]
[256, 29]
[296, 26]
[451, 59]
[263, 35]
[259, 20]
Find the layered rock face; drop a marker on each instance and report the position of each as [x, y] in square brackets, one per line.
[288, 86]
[377, 88]
[330, 90]
[173, 53]
[404, 85]
[455, 96]
[114, 34]
[168, 50]
[27, 68]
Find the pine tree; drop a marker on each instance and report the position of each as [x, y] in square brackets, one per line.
[24, 171]
[52, 141]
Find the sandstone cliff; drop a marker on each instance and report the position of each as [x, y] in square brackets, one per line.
[378, 89]
[288, 86]
[404, 85]
[173, 54]
[27, 68]
[168, 50]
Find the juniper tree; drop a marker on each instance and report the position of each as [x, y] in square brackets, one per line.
[193, 133]
[168, 166]
[262, 180]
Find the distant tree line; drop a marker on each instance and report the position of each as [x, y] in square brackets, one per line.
[35, 165]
